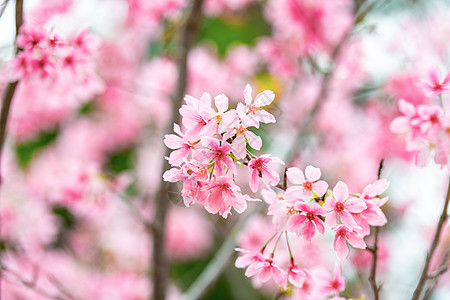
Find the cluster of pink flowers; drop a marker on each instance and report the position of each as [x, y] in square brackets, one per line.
[51, 68]
[305, 206]
[214, 143]
[427, 126]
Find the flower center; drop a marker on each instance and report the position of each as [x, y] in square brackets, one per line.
[310, 216]
[434, 119]
[218, 154]
[240, 129]
[334, 284]
[258, 164]
[307, 185]
[218, 118]
[339, 207]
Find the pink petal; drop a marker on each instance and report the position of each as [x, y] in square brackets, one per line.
[295, 223]
[319, 225]
[400, 125]
[355, 205]
[295, 175]
[406, 108]
[355, 240]
[221, 102]
[293, 193]
[264, 116]
[253, 140]
[329, 204]
[331, 219]
[320, 187]
[238, 147]
[312, 173]
[210, 142]
[378, 187]
[248, 94]
[279, 276]
[318, 210]
[340, 192]
[308, 230]
[254, 180]
[341, 248]
[347, 220]
[173, 141]
[230, 164]
[264, 98]
[300, 205]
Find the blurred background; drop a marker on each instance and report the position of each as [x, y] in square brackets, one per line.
[83, 158]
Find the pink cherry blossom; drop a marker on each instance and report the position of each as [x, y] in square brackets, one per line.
[259, 170]
[409, 122]
[267, 269]
[221, 195]
[297, 276]
[252, 113]
[182, 146]
[216, 152]
[339, 204]
[344, 234]
[243, 136]
[303, 225]
[332, 284]
[310, 187]
[434, 87]
[196, 114]
[280, 209]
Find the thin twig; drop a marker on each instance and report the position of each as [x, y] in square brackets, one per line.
[220, 261]
[425, 276]
[34, 287]
[10, 88]
[320, 99]
[160, 266]
[3, 7]
[374, 250]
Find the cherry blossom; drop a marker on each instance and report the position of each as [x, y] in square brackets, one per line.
[339, 204]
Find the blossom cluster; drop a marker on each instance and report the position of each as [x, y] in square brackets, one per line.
[50, 68]
[426, 126]
[306, 206]
[214, 143]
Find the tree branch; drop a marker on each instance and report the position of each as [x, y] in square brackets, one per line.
[160, 266]
[425, 276]
[38, 290]
[10, 88]
[374, 251]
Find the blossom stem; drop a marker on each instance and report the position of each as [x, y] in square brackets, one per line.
[425, 276]
[289, 248]
[267, 243]
[276, 244]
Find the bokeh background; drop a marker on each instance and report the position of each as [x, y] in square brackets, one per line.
[83, 158]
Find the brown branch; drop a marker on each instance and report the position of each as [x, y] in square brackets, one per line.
[374, 251]
[10, 88]
[425, 276]
[308, 121]
[160, 265]
[34, 287]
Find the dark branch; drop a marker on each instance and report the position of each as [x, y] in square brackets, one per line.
[160, 265]
[374, 251]
[425, 276]
[10, 88]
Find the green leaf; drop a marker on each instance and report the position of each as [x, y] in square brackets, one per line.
[121, 161]
[235, 29]
[26, 151]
